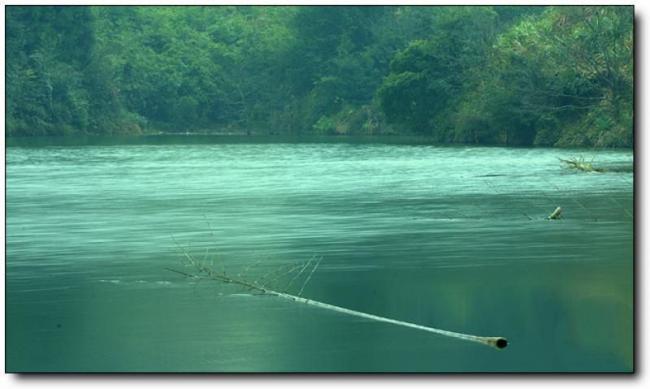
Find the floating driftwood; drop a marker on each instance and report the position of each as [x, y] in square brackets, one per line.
[557, 214]
[581, 164]
[206, 272]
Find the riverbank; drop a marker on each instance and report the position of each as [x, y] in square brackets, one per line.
[248, 137]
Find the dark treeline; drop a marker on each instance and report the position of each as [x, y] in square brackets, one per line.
[490, 75]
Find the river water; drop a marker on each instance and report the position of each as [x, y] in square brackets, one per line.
[448, 237]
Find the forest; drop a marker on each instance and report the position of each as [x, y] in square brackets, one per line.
[496, 75]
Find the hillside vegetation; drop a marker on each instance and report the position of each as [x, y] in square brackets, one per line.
[552, 76]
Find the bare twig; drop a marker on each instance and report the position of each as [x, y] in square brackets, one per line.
[299, 273]
[309, 277]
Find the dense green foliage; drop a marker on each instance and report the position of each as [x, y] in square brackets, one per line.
[490, 75]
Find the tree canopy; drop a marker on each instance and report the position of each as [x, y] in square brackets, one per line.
[512, 75]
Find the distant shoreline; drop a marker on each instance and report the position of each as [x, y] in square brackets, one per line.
[252, 137]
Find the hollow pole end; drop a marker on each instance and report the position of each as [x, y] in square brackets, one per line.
[498, 342]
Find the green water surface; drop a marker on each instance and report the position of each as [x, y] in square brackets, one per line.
[449, 237]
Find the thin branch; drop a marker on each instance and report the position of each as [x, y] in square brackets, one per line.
[309, 277]
[299, 273]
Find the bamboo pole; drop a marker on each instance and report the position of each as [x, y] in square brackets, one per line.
[492, 341]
